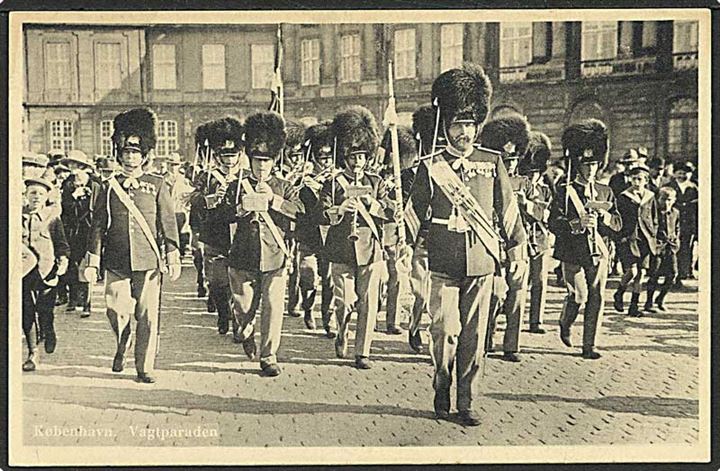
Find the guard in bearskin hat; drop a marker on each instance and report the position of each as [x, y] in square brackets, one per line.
[263, 206]
[408, 151]
[582, 215]
[313, 266]
[509, 135]
[354, 205]
[79, 196]
[134, 217]
[220, 144]
[466, 186]
[46, 252]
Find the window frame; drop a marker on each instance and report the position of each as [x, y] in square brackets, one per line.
[254, 78]
[164, 140]
[686, 127]
[164, 65]
[444, 59]
[310, 66]
[216, 80]
[106, 140]
[516, 40]
[63, 71]
[61, 141]
[102, 68]
[350, 60]
[408, 50]
[612, 28]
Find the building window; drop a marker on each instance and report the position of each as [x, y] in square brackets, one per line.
[685, 44]
[350, 58]
[106, 132]
[599, 40]
[310, 59]
[164, 69]
[516, 44]
[167, 138]
[451, 46]
[61, 135]
[108, 68]
[262, 58]
[57, 66]
[213, 66]
[404, 53]
[683, 129]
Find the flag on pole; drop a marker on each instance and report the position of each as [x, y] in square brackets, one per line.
[276, 86]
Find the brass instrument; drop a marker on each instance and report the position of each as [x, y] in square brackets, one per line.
[593, 234]
[354, 223]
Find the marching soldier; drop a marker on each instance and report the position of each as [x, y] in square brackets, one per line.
[463, 188]
[79, 197]
[535, 208]
[353, 204]
[132, 219]
[582, 215]
[309, 234]
[224, 144]
[509, 135]
[263, 206]
[408, 155]
[46, 252]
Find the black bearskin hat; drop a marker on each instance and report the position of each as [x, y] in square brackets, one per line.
[319, 138]
[225, 135]
[134, 129]
[265, 134]
[498, 133]
[462, 94]
[423, 126]
[586, 141]
[537, 154]
[356, 130]
[406, 144]
[201, 135]
[295, 134]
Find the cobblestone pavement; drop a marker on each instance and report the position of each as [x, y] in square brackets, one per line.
[644, 390]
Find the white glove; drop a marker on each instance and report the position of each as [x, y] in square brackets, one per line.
[91, 274]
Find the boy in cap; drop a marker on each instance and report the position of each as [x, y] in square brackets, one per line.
[132, 219]
[220, 143]
[464, 188]
[79, 197]
[687, 205]
[582, 214]
[353, 204]
[263, 206]
[664, 263]
[509, 136]
[43, 236]
[636, 243]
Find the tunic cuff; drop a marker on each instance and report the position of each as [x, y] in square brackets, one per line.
[92, 260]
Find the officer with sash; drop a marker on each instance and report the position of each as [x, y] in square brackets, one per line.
[509, 135]
[133, 218]
[582, 215]
[313, 266]
[262, 205]
[463, 188]
[220, 148]
[534, 202]
[354, 205]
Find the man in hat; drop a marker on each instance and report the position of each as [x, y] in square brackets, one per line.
[180, 192]
[408, 155]
[424, 132]
[79, 197]
[44, 238]
[582, 214]
[657, 179]
[314, 267]
[636, 242]
[33, 165]
[509, 136]
[621, 180]
[534, 203]
[221, 144]
[105, 166]
[354, 205]
[132, 219]
[463, 189]
[687, 204]
[262, 205]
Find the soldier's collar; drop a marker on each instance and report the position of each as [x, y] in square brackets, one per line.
[450, 149]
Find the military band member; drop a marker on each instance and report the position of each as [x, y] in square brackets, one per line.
[636, 243]
[408, 156]
[222, 155]
[509, 135]
[462, 190]
[353, 204]
[263, 206]
[133, 217]
[424, 132]
[45, 244]
[310, 235]
[79, 196]
[534, 204]
[582, 215]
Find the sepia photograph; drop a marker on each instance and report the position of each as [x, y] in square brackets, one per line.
[359, 237]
